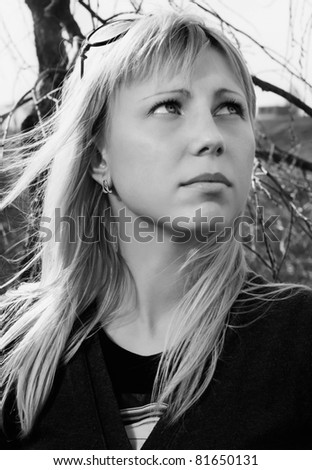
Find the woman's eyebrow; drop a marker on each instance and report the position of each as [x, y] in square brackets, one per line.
[183, 91]
[218, 93]
[222, 91]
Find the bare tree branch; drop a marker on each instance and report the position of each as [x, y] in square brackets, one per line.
[137, 7]
[266, 86]
[261, 46]
[279, 155]
[107, 20]
[258, 255]
[95, 15]
[287, 241]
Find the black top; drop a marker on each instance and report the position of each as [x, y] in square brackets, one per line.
[260, 396]
[132, 375]
[129, 372]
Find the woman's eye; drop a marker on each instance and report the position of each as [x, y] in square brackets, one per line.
[166, 107]
[230, 108]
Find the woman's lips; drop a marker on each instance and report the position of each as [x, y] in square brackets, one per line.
[208, 180]
[206, 186]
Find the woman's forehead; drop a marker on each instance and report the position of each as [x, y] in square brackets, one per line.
[135, 62]
[209, 64]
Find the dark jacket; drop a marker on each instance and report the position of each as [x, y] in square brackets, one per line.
[260, 396]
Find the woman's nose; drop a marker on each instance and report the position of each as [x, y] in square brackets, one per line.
[206, 138]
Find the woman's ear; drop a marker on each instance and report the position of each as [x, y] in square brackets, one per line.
[99, 166]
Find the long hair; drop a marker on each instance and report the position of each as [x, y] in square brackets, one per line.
[39, 329]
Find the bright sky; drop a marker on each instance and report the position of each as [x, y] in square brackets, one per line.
[283, 26]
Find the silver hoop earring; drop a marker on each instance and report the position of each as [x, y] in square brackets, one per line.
[106, 189]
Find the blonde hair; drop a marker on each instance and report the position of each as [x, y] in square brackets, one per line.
[40, 316]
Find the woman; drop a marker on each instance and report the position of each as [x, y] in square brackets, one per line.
[145, 328]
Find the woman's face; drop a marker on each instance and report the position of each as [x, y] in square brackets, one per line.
[165, 132]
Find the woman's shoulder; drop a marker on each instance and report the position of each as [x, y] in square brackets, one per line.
[273, 322]
[276, 291]
[277, 302]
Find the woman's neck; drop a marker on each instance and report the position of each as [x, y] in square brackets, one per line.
[154, 267]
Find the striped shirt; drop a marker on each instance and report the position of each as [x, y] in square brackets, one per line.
[140, 421]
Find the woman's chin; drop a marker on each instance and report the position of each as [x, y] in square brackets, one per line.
[202, 231]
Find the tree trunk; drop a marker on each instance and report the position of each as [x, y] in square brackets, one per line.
[49, 17]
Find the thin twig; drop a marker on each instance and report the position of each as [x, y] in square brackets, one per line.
[258, 255]
[268, 248]
[288, 241]
[95, 15]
